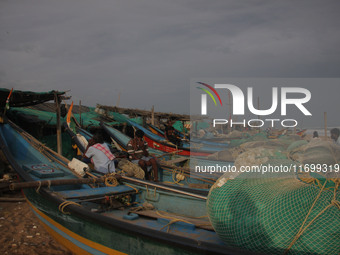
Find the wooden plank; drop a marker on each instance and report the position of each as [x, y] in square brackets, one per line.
[199, 223]
[198, 185]
[59, 141]
[55, 182]
[97, 192]
[79, 115]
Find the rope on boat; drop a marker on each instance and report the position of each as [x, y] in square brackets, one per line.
[186, 172]
[173, 220]
[147, 191]
[198, 217]
[48, 185]
[178, 177]
[111, 181]
[64, 204]
[37, 190]
[132, 187]
[334, 202]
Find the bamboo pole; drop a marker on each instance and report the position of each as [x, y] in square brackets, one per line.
[325, 119]
[230, 112]
[118, 100]
[47, 183]
[12, 199]
[163, 187]
[169, 153]
[81, 124]
[59, 141]
[153, 115]
[258, 107]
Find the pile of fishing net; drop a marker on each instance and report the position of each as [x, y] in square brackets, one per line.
[258, 142]
[258, 156]
[316, 152]
[286, 140]
[292, 213]
[227, 155]
[130, 169]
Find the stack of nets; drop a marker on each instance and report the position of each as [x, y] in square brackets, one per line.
[317, 151]
[277, 146]
[130, 169]
[279, 213]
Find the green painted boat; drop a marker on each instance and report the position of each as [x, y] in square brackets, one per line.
[170, 170]
[136, 217]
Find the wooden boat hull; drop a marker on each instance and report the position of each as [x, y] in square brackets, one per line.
[87, 227]
[155, 131]
[82, 235]
[171, 148]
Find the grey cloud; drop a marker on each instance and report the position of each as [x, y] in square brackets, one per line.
[149, 50]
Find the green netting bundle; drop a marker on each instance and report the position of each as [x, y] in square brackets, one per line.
[265, 214]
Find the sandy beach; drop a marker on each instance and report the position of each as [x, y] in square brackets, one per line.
[21, 232]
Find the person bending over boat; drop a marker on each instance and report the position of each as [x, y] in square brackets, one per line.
[171, 136]
[139, 154]
[100, 155]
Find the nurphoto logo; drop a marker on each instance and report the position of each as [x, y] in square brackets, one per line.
[238, 103]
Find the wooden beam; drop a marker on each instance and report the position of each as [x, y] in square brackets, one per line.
[59, 141]
[325, 119]
[81, 124]
[153, 115]
[118, 100]
[145, 113]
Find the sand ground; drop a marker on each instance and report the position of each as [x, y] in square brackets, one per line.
[21, 232]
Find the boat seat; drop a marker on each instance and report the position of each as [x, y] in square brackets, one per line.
[43, 171]
[96, 192]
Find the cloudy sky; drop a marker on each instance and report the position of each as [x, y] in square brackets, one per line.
[149, 51]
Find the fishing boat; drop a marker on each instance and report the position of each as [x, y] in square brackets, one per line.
[94, 216]
[121, 140]
[159, 143]
[172, 162]
[155, 130]
[170, 168]
[20, 98]
[160, 133]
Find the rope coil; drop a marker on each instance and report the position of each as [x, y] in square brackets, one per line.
[64, 204]
[111, 181]
[38, 188]
[173, 220]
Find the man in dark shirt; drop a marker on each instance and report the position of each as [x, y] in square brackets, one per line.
[171, 136]
[139, 153]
